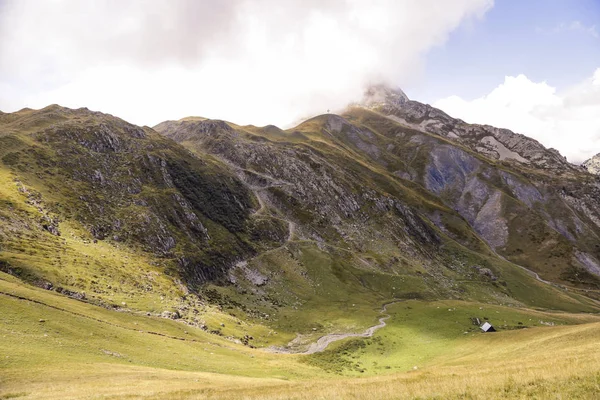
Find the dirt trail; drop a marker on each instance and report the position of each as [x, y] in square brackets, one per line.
[324, 341]
[534, 274]
[530, 272]
[368, 264]
[261, 203]
[263, 210]
[553, 284]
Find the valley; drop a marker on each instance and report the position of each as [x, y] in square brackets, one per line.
[351, 256]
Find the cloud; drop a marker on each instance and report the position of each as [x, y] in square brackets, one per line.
[577, 26]
[573, 26]
[262, 61]
[568, 121]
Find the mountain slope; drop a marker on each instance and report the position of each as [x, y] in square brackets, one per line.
[278, 228]
[558, 201]
[495, 143]
[104, 210]
[532, 207]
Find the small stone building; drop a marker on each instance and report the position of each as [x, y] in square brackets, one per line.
[487, 327]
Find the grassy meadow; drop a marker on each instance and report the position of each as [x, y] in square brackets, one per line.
[54, 347]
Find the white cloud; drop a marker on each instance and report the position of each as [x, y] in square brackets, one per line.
[573, 26]
[262, 61]
[577, 26]
[569, 121]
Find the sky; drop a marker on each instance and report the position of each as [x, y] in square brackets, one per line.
[531, 66]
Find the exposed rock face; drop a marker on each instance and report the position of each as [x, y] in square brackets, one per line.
[496, 143]
[490, 223]
[536, 191]
[449, 167]
[593, 165]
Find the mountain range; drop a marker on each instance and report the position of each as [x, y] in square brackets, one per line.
[271, 237]
[399, 185]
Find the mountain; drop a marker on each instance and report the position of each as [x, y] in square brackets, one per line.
[202, 245]
[494, 143]
[557, 198]
[391, 188]
[96, 206]
[486, 188]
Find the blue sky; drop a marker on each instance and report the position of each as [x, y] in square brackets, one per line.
[530, 37]
[531, 66]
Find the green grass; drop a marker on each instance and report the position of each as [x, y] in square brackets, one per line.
[419, 333]
[42, 330]
[56, 347]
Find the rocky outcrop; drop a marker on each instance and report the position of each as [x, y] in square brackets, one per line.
[592, 165]
[496, 143]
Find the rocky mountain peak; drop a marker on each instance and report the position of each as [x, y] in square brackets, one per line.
[593, 165]
[496, 143]
[381, 95]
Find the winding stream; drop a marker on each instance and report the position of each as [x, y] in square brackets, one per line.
[324, 341]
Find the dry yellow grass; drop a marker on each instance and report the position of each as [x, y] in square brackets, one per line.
[557, 363]
[545, 363]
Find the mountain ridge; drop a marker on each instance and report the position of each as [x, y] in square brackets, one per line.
[208, 201]
[504, 144]
[549, 159]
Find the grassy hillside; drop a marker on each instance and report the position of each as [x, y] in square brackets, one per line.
[53, 347]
